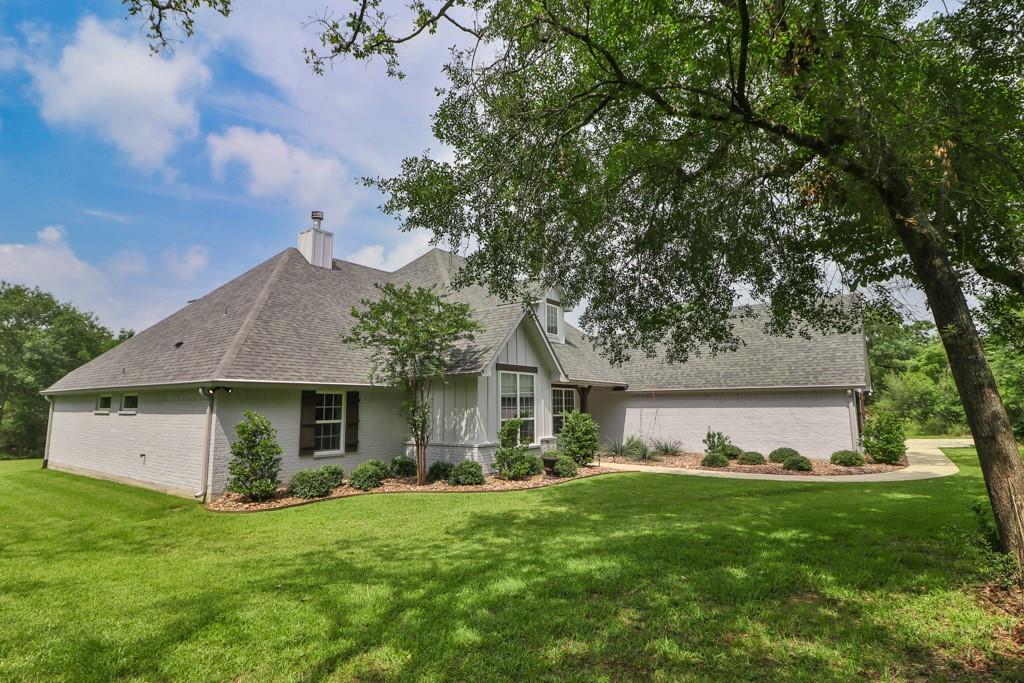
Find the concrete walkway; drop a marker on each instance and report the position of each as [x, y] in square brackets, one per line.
[925, 459]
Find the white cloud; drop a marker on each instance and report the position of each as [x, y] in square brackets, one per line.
[107, 215]
[112, 86]
[413, 245]
[188, 263]
[121, 291]
[278, 169]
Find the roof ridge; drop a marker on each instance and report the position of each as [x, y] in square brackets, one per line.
[231, 353]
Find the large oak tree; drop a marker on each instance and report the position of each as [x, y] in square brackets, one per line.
[652, 157]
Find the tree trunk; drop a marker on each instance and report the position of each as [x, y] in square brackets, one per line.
[421, 463]
[986, 414]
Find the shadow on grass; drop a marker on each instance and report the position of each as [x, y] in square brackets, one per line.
[630, 577]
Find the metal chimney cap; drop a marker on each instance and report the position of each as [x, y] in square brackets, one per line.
[317, 215]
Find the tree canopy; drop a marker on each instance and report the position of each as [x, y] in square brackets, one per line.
[41, 340]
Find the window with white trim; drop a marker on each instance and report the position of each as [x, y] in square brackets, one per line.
[129, 404]
[330, 422]
[517, 401]
[103, 404]
[553, 319]
[563, 400]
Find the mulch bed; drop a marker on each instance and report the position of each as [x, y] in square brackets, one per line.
[232, 502]
[691, 461]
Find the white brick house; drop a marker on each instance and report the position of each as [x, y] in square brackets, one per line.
[159, 410]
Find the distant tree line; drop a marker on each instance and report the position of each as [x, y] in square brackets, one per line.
[41, 340]
[911, 377]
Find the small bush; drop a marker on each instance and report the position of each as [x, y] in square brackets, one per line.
[255, 458]
[439, 471]
[714, 441]
[316, 482]
[508, 433]
[798, 463]
[565, 466]
[517, 463]
[714, 459]
[466, 473]
[730, 451]
[751, 458]
[403, 466]
[636, 449]
[579, 438]
[883, 438]
[782, 454]
[369, 475]
[847, 458]
[666, 448]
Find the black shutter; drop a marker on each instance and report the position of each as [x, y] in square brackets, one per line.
[307, 423]
[351, 421]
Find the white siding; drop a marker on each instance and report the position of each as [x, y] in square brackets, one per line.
[523, 348]
[381, 429]
[169, 428]
[456, 411]
[815, 422]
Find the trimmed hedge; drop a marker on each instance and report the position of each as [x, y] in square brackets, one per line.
[751, 458]
[517, 463]
[369, 475]
[316, 482]
[580, 437]
[798, 463]
[466, 473]
[565, 466]
[439, 471]
[847, 458]
[403, 466]
[715, 459]
[782, 454]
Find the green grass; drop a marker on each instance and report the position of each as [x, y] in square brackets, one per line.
[623, 577]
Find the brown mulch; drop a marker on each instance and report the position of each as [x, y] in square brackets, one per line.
[691, 461]
[232, 502]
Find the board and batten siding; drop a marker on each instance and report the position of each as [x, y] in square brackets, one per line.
[381, 429]
[815, 422]
[169, 429]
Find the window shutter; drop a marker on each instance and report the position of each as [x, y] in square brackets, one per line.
[351, 421]
[307, 423]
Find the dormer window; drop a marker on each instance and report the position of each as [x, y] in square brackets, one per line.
[553, 319]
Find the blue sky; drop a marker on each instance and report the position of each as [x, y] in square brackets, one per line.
[131, 183]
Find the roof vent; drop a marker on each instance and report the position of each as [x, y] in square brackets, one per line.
[316, 244]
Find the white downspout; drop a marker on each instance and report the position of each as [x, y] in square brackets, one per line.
[211, 411]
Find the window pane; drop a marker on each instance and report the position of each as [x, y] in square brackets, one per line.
[556, 423]
[328, 407]
[103, 403]
[552, 319]
[328, 437]
[526, 432]
[129, 402]
[570, 401]
[526, 396]
[556, 401]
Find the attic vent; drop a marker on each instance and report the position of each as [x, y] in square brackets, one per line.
[178, 345]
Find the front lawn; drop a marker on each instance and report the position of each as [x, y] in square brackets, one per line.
[620, 577]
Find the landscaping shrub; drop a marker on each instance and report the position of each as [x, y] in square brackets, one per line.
[316, 482]
[797, 463]
[369, 475]
[666, 448]
[715, 459]
[730, 451]
[565, 466]
[403, 466]
[782, 454]
[847, 458]
[579, 438]
[751, 458]
[616, 448]
[714, 441]
[517, 463]
[636, 449]
[439, 471]
[508, 433]
[255, 458]
[466, 473]
[883, 438]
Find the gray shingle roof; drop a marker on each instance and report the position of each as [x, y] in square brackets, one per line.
[281, 321]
